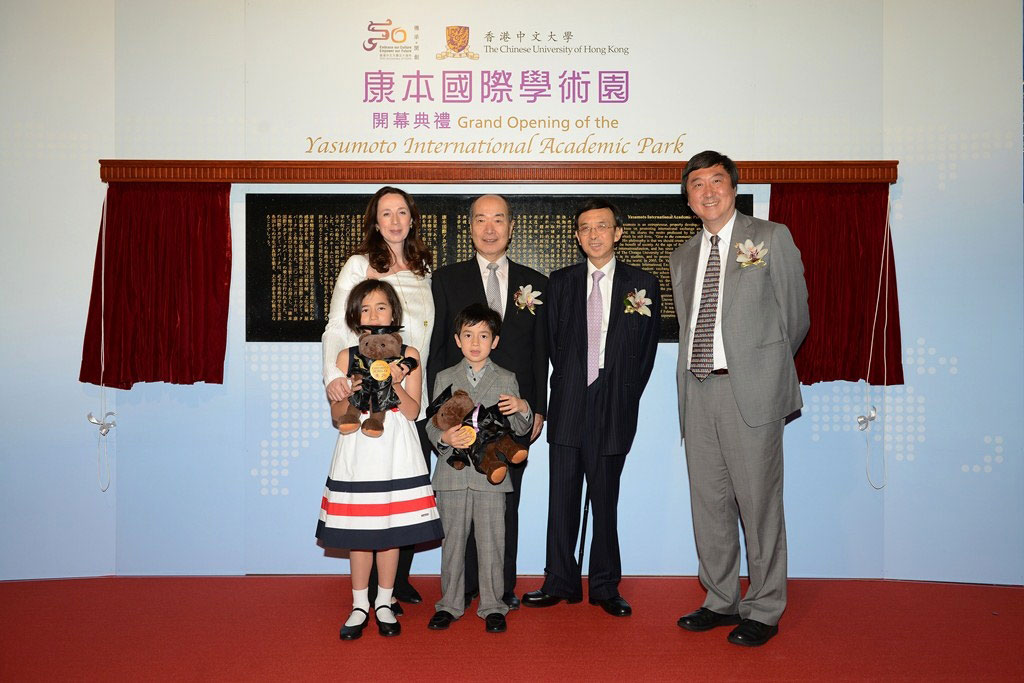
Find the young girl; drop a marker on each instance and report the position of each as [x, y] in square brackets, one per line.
[378, 495]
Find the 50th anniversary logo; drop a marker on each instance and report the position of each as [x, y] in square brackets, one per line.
[573, 102]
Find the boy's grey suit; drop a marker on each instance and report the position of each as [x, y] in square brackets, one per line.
[465, 497]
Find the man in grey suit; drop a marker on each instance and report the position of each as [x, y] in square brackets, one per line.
[467, 501]
[741, 301]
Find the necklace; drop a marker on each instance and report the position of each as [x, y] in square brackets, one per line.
[405, 299]
[395, 271]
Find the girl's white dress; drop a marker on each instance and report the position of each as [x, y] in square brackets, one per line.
[378, 492]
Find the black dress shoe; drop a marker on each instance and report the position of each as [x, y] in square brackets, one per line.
[752, 633]
[385, 628]
[440, 621]
[495, 623]
[397, 609]
[615, 606]
[511, 600]
[354, 632]
[705, 619]
[542, 599]
[407, 594]
[470, 597]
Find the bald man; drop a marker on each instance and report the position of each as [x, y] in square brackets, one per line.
[491, 278]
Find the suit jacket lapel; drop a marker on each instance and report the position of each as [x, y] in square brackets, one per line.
[483, 388]
[688, 277]
[578, 305]
[742, 230]
[515, 281]
[472, 279]
[621, 283]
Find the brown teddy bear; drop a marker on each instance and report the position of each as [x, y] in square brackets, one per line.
[378, 347]
[494, 448]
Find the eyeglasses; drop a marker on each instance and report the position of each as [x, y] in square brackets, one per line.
[598, 229]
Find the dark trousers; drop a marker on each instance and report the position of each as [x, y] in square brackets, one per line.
[406, 552]
[568, 469]
[515, 472]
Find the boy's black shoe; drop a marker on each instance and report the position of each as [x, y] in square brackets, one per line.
[440, 621]
[495, 623]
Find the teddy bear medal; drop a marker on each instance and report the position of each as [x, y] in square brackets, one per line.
[470, 430]
[380, 370]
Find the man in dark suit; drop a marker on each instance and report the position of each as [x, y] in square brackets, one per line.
[515, 291]
[603, 326]
[737, 384]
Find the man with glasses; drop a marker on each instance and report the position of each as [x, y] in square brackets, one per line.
[603, 325]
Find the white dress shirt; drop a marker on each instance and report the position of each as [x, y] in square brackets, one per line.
[724, 251]
[606, 298]
[502, 271]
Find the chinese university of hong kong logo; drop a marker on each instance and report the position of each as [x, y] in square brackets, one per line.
[457, 40]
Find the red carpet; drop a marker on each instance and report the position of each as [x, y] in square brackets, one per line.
[286, 629]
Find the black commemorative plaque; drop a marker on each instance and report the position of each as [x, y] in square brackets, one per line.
[297, 243]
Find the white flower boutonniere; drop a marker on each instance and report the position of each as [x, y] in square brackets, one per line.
[526, 298]
[637, 302]
[749, 255]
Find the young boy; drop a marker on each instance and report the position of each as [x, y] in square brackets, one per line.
[464, 497]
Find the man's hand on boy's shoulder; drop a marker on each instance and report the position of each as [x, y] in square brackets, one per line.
[510, 405]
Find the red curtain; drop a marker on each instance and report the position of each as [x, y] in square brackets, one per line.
[840, 229]
[165, 280]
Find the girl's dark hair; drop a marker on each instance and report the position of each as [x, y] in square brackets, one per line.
[354, 305]
[416, 254]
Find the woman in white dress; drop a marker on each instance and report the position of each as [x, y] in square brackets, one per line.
[391, 251]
